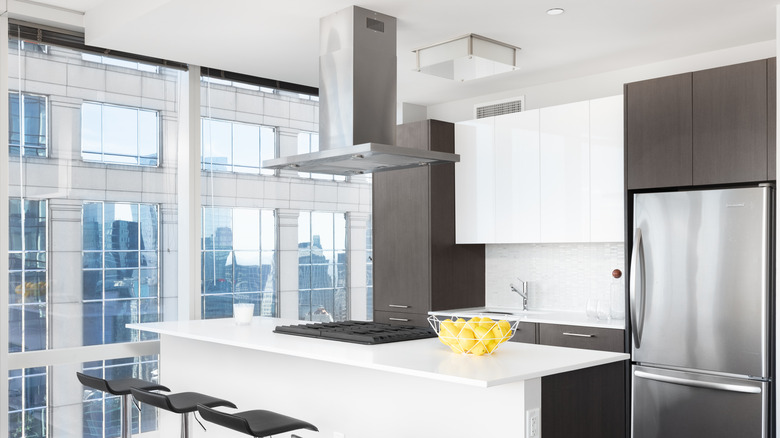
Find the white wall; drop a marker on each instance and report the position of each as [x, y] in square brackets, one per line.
[604, 84]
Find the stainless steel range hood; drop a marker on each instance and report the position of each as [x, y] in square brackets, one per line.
[358, 76]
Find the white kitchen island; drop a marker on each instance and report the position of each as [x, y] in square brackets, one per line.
[405, 389]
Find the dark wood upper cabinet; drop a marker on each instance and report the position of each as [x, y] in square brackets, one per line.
[658, 132]
[730, 124]
[708, 127]
[417, 265]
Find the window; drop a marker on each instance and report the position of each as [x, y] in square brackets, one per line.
[120, 271]
[310, 142]
[27, 124]
[83, 241]
[119, 134]
[228, 146]
[27, 275]
[102, 411]
[322, 266]
[238, 261]
[27, 314]
[27, 403]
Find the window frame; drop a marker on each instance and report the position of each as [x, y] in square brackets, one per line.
[102, 153]
[231, 167]
[335, 265]
[47, 134]
[135, 335]
[237, 296]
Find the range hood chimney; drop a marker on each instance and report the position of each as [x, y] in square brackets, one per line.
[358, 75]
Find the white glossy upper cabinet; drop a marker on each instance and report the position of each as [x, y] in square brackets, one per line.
[606, 170]
[565, 173]
[517, 177]
[475, 195]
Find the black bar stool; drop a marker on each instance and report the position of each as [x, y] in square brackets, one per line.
[257, 423]
[181, 403]
[122, 388]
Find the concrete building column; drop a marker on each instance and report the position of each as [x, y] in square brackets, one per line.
[288, 262]
[65, 294]
[356, 225]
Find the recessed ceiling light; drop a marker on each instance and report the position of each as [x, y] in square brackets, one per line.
[555, 11]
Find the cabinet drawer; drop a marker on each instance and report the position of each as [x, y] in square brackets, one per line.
[525, 332]
[401, 318]
[591, 338]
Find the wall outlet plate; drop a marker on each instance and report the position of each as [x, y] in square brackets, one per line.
[533, 423]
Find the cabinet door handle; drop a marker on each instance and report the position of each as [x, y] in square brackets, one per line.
[399, 306]
[578, 335]
[399, 319]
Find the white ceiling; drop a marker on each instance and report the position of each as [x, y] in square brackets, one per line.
[279, 39]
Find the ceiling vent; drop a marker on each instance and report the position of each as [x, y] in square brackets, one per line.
[492, 109]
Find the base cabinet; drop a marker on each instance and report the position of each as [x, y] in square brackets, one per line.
[402, 318]
[590, 402]
[587, 403]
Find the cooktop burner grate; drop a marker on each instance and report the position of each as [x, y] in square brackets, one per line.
[359, 332]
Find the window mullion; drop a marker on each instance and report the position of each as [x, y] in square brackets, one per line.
[4, 235]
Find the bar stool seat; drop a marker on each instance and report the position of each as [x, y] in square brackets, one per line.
[122, 388]
[181, 403]
[257, 423]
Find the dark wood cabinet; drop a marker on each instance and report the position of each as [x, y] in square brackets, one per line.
[403, 318]
[658, 132]
[590, 338]
[417, 265]
[709, 127]
[730, 124]
[590, 402]
[526, 332]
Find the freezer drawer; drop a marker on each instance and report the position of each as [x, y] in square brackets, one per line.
[674, 404]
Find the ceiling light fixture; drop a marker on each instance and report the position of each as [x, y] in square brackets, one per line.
[555, 11]
[467, 57]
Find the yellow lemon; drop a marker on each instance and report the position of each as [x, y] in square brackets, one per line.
[506, 330]
[459, 323]
[486, 340]
[481, 333]
[479, 349]
[466, 339]
[448, 333]
[486, 323]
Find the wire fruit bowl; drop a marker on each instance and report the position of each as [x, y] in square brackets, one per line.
[478, 336]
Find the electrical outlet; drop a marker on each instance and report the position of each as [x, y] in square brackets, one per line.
[532, 423]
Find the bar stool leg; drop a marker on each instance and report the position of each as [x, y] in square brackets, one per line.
[127, 417]
[185, 425]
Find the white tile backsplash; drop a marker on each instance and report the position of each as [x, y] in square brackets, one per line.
[561, 276]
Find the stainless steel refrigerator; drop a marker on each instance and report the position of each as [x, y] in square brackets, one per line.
[699, 297]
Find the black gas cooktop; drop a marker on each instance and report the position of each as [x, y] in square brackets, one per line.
[359, 332]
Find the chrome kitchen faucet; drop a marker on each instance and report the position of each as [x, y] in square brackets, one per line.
[523, 291]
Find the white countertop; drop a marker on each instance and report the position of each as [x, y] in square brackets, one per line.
[427, 358]
[542, 316]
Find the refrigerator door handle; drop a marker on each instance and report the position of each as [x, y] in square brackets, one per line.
[697, 383]
[637, 279]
